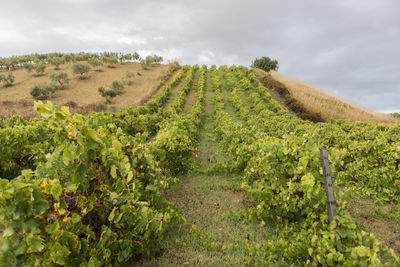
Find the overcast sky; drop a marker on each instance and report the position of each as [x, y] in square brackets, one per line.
[350, 47]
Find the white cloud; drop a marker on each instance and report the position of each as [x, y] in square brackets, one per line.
[206, 56]
[133, 40]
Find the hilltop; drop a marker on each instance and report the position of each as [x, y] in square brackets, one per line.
[310, 103]
[82, 95]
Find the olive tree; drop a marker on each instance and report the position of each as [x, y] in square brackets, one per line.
[129, 75]
[135, 56]
[118, 87]
[107, 93]
[39, 67]
[7, 79]
[265, 63]
[60, 79]
[56, 61]
[42, 91]
[80, 68]
[28, 66]
[95, 62]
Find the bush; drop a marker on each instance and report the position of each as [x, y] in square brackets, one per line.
[110, 60]
[56, 61]
[144, 64]
[154, 59]
[60, 79]
[265, 63]
[8, 80]
[28, 66]
[39, 68]
[129, 75]
[80, 68]
[118, 87]
[107, 93]
[42, 91]
[95, 62]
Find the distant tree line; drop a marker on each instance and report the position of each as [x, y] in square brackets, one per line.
[29, 62]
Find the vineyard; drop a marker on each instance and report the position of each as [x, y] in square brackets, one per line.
[98, 190]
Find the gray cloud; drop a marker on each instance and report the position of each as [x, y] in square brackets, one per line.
[348, 46]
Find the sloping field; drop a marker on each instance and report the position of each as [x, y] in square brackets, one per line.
[312, 103]
[212, 171]
[82, 95]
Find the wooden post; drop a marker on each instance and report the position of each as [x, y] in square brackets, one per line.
[328, 183]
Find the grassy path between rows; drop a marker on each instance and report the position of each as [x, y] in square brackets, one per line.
[204, 200]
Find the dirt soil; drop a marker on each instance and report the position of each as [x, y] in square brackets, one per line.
[81, 95]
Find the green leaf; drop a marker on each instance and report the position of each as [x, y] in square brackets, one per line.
[112, 215]
[59, 254]
[113, 171]
[361, 251]
[34, 244]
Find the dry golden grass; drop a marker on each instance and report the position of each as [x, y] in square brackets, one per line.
[81, 95]
[328, 105]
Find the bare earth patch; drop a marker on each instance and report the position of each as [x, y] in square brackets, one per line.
[83, 94]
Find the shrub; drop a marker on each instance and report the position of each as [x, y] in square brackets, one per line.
[265, 63]
[8, 80]
[56, 61]
[144, 64]
[118, 87]
[155, 59]
[107, 93]
[28, 66]
[39, 68]
[42, 91]
[80, 68]
[110, 60]
[95, 62]
[129, 75]
[60, 79]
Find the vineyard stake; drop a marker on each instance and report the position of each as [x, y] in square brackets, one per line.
[328, 183]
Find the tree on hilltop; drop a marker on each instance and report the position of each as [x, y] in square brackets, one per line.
[265, 63]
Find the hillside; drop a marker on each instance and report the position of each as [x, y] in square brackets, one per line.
[82, 95]
[309, 102]
[212, 171]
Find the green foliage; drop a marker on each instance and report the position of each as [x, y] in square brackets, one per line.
[28, 66]
[110, 59]
[117, 86]
[56, 61]
[60, 79]
[95, 62]
[95, 197]
[265, 63]
[135, 56]
[278, 156]
[39, 68]
[8, 79]
[154, 59]
[107, 93]
[396, 115]
[43, 90]
[80, 68]
[129, 74]
[149, 60]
